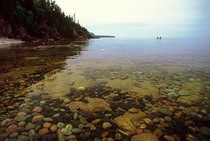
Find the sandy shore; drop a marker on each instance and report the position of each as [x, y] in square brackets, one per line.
[6, 41]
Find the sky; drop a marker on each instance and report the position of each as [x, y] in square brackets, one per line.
[141, 18]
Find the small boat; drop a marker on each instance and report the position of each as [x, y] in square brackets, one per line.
[159, 37]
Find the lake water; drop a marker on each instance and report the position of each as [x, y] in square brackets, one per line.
[140, 85]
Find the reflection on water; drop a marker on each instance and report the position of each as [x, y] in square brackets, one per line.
[111, 88]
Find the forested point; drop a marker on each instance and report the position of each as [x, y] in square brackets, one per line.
[37, 19]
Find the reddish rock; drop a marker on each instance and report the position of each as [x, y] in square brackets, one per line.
[47, 125]
[43, 131]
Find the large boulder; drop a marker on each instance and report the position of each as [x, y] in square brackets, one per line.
[126, 121]
[93, 105]
[145, 137]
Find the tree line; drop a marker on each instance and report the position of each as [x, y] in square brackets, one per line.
[39, 19]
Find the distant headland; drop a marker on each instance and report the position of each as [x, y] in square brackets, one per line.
[101, 36]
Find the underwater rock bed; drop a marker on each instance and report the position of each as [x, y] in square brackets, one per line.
[119, 117]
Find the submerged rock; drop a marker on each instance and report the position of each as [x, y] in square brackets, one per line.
[61, 137]
[106, 125]
[81, 88]
[165, 111]
[47, 119]
[69, 126]
[14, 135]
[184, 93]
[43, 131]
[158, 132]
[53, 128]
[118, 136]
[11, 128]
[4, 122]
[169, 138]
[133, 110]
[76, 130]
[21, 113]
[37, 118]
[30, 126]
[45, 96]
[94, 105]
[37, 109]
[173, 95]
[47, 125]
[60, 125]
[145, 137]
[127, 121]
[66, 131]
[143, 126]
[23, 138]
[66, 101]
[125, 124]
[147, 120]
[205, 130]
[20, 118]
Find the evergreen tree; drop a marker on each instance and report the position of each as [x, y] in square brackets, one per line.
[40, 18]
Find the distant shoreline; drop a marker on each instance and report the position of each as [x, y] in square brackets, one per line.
[100, 36]
[103, 36]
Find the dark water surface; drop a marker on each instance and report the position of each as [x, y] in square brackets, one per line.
[106, 89]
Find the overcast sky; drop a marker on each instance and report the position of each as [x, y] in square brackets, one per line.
[141, 18]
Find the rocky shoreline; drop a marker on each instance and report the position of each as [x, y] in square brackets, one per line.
[6, 41]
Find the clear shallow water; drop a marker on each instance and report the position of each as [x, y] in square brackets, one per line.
[105, 56]
[168, 77]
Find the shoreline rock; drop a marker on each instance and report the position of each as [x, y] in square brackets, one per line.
[7, 41]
